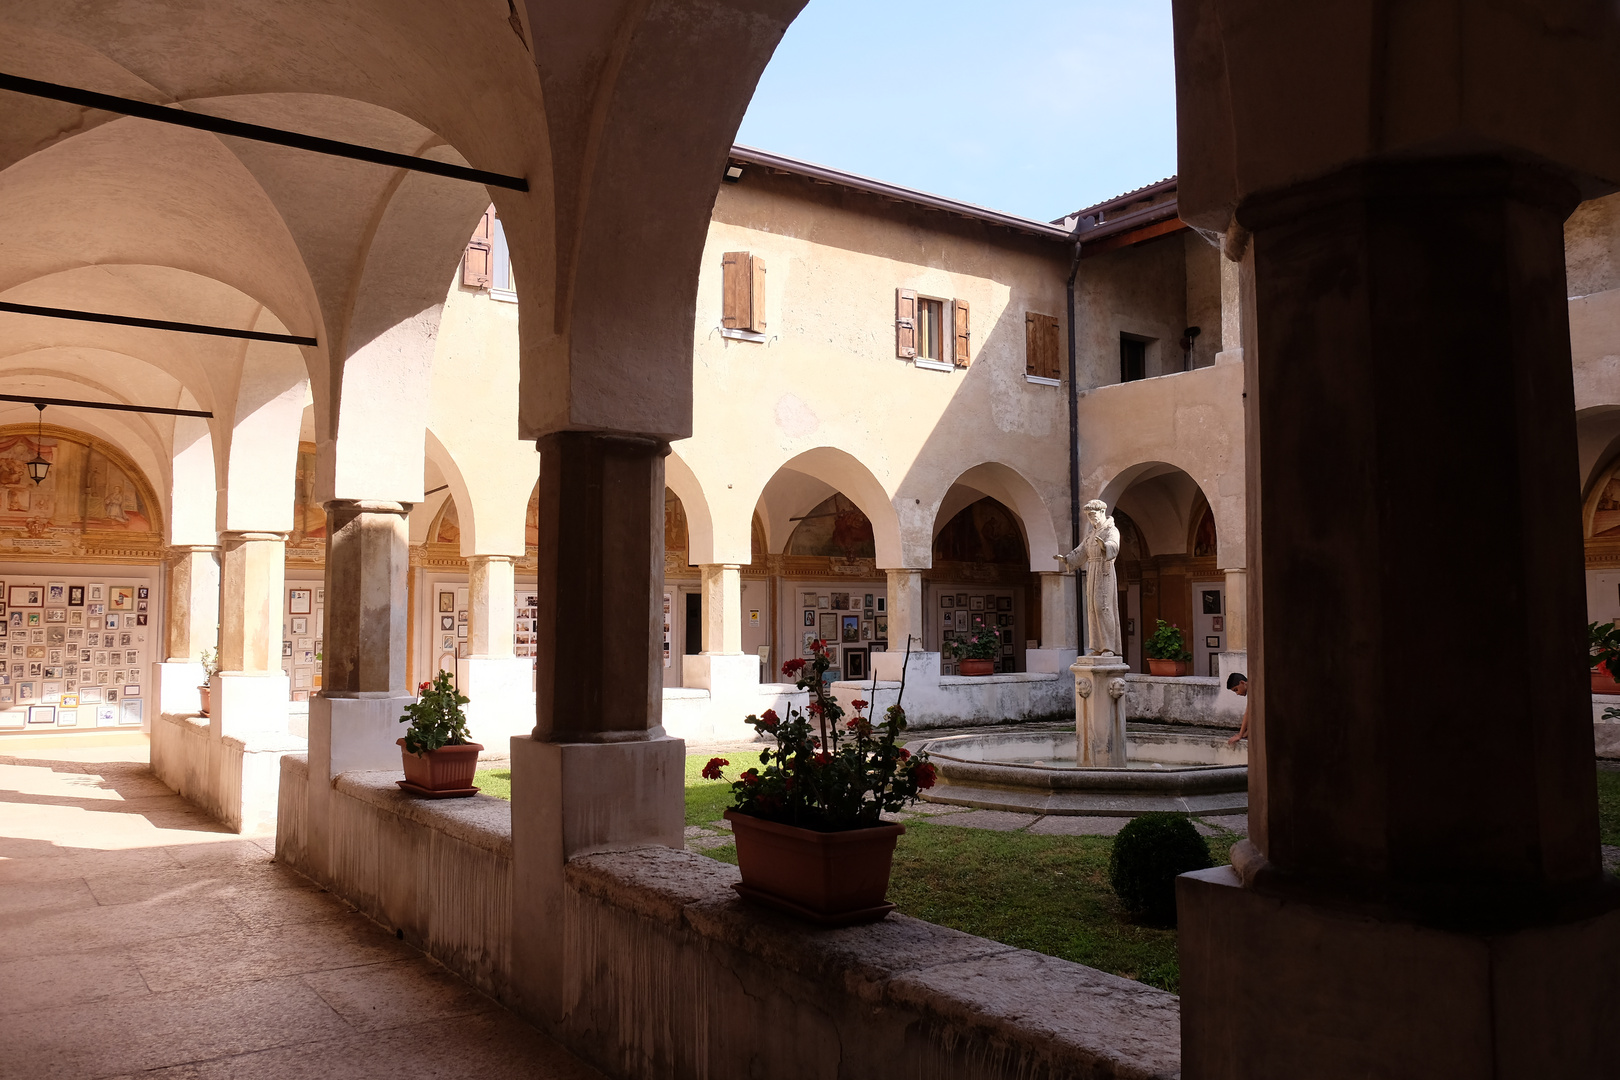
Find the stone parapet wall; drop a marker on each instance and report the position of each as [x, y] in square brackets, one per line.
[232, 779]
[677, 977]
[1187, 699]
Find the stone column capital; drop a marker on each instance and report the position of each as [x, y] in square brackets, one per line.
[236, 536]
[493, 558]
[367, 506]
[193, 549]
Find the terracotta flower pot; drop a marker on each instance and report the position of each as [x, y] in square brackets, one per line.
[976, 667]
[445, 773]
[1167, 667]
[206, 693]
[831, 878]
[1602, 681]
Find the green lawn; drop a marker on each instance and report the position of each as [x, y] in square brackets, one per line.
[1049, 894]
[496, 782]
[1608, 784]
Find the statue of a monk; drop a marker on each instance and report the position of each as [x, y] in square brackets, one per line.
[1096, 554]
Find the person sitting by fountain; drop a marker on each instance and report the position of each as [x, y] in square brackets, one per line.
[1238, 683]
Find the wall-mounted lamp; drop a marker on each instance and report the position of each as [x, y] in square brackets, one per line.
[1187, 337]
[38, 467]
[733, 173]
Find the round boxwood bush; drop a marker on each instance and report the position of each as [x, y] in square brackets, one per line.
[1148, 854]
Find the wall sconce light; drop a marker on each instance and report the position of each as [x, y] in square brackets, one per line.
[733, 173]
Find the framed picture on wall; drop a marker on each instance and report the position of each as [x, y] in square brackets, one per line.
[298, 601]
[286, 647]
[852, 628]
[42, 714]
[809, 618]
[948, 600]
[300, 626]
[1003, 618]
[881, 607]
[25, 596]
[807, 599]
[880, 627]
[961, 599]
[948, 620]
[95, 593]
[90, 695]
[824, 601]
[75, 618]
[142, 593]
[1211, 641]
[809, 640]
[1218, 624]
[1004, 603]
[447, 602]
[854, 663]
[75, 596]
[1212, 601]
[829, 627]
[975, 603]
[868, 599]
[121, 598]
[447, 622]
[56, 592]
[129, 711]
[866, 629]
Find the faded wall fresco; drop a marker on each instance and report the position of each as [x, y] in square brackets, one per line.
[309, 517]
[835, 528]
[984, 532]
[89, 488]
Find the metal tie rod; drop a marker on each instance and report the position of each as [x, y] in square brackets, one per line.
[164, 114]
[41, 402]
[154, 324]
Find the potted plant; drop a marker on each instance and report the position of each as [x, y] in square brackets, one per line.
[976, 654]
[1603, 645]
[811, 839]
[1166, 651]
[209, 658]
[440, 757]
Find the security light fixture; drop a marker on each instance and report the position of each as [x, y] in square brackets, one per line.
[38, 467]
[733, 173]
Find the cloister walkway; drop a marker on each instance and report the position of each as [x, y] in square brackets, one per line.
[137, 938]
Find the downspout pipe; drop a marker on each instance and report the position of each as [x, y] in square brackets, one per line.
[1074, 455]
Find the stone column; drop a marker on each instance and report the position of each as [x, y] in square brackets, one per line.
[1421, 890]
[354, 720]
[490, 593]
[1235, 656]
[1060, 642]
[497, 684]
[905, 596]
[597, 773]
[193, 626]
[251, 692]
[729, 675]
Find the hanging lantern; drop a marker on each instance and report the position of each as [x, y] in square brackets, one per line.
[38, 467]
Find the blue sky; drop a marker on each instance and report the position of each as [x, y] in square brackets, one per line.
[1036, 107]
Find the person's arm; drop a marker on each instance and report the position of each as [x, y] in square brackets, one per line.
[1243, 728]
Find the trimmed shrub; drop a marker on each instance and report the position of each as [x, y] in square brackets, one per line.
[1148, 854]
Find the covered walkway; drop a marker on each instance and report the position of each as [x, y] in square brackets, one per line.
[137, 937]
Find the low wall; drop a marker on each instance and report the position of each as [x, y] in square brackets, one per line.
[1189, 699]
[702, 716]
[671, 975]
[438, 871]
[1605, 733]
[234, 780]
[944, 701]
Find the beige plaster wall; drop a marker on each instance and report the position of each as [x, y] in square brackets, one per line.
[1140, 291]
[826, 387]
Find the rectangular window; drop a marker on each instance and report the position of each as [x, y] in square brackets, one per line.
[742, 289]
[930, 323]
[1132, 359]
[1041, 347]
[501, 285]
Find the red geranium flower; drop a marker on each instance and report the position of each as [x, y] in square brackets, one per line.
[924, 773]
[751, 777]
[711, 771]
[770, 719]
[423, 687]
[822, 758]
[814, 708]
[904, 753]
[858, 705]
[793, 667]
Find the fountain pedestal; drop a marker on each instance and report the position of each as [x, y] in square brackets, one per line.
[1099, 711]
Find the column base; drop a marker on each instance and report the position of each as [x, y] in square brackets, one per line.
[732, 680]
[500, 693]
[249, 703]
[923, 667]
[1285, 988]
[1050, 660]
[178, 687]
[1099, 711]
[571, 799]
[346, 734]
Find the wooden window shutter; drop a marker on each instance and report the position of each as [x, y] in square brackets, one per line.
[905, 323]
[478, 264]
[1041, 346]
[962, 332]
[742, 288]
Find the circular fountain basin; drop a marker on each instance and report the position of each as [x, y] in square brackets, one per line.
[1189, 772]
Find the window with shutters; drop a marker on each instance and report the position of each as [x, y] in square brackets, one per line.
[487, 263]
[1132, 358]
[742, 291]
[1041, 363]
[931, 331]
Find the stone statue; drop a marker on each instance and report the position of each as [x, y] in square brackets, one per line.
[1097, 553]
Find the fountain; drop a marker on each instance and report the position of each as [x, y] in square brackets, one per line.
[1104, 768]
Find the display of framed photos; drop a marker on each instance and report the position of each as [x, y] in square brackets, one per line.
[299, 601]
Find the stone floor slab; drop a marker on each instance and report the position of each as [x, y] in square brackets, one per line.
[1078, 826]
[998, 820]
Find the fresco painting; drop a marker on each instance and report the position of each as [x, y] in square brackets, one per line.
[86, 489]
[983, 532]
[835, 528]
